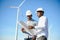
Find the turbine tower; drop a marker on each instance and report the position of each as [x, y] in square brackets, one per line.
[16, 33]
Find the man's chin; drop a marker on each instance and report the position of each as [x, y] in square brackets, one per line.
[38, 16]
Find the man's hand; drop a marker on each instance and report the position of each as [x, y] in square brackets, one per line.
[34, 37]
[23, 30]
[30, 27]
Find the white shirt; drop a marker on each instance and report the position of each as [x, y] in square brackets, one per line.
[31, 23]
[42, 27]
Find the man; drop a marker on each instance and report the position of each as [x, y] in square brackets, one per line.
[30, 23]
[42, 28]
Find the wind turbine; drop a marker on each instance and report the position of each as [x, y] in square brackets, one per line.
[16, 34]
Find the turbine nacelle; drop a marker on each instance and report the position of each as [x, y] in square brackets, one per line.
[14, 7]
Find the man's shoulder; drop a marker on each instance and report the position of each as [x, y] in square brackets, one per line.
[44, 17]
[32, 20]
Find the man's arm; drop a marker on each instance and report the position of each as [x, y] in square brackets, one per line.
[42, 24]
[31, 27]
[23, 30]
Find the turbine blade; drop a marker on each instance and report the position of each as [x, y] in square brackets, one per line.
[13, 7]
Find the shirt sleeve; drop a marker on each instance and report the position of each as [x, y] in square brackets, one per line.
[41, 24]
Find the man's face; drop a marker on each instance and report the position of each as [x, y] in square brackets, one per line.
[29, 17]
[39, 14]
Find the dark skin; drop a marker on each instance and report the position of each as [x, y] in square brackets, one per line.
[29, 17]
[34, 37]
[40, 13]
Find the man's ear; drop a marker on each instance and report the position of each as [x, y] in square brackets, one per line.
[31, 15]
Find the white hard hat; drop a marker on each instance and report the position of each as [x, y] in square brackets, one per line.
[28, 12]
[40, 9]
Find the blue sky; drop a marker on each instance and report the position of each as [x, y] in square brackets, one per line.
[8, 17]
